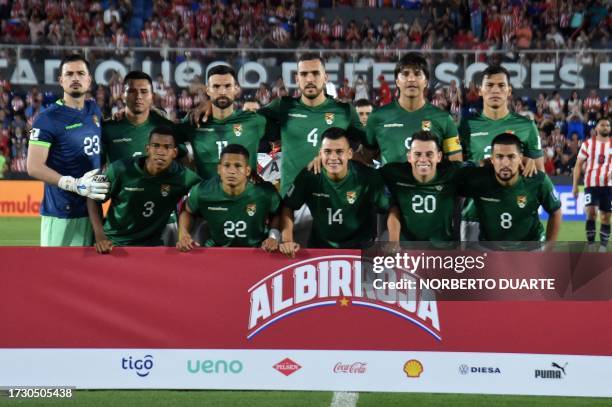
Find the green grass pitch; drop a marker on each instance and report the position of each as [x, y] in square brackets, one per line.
[25, 232]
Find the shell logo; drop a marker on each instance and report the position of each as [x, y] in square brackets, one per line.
[413, 368]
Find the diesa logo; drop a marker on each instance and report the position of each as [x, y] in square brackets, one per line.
[141, 366]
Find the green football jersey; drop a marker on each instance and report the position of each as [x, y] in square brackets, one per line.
[426, 208]
[122, 139]
[207, 141]
[234, 221]
[141, 203]
[509, 213]
[390, 128]
[477, 134]
[343, 211]
[301, 127]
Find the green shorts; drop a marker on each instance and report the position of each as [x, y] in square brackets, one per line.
[65, 232]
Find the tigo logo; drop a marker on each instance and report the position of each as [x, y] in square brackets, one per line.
[413, 368]
[141, 366]
[287, 367]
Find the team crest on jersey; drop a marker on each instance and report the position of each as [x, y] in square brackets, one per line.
[439, 187]
[329, 118]
[165, 189]
[250, 209]
[351, 196]
[238, 130]
[96, 120]
[426, 125]
[521, 201]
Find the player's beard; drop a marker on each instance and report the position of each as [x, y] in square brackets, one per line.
[505, 177]
[222, 102]
[76, 94]
[312, 96]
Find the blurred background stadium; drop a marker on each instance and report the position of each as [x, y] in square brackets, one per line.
[558, 52]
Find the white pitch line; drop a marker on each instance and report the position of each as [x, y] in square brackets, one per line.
[344, 399]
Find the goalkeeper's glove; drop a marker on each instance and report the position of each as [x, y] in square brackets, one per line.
[90, 185]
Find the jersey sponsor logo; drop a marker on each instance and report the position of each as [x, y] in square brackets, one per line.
[298, 115]
[351, 196]
[329, 118]
[426, 125]
[237, 129]
[250, 209]
[403, 184]
[335, 282]
[74, 126]
[95, 120]
[320, 195]
[480, 133]
[216, 208]
[208, 129]
[521, 201]
[122, 140]
[164, 189]
[132, 189]
[394, 125]
[484, 198]
[34, 134]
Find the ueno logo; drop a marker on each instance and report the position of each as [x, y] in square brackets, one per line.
[141, 366]
[214, 366]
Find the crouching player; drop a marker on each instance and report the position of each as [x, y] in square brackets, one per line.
[144, 191]
[238, 213]
[341, 198]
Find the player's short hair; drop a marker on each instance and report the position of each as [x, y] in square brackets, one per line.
[412, 60]
[494, 70]
[362, 103]
[335, 133]
[507, 139]
[221, 70]
[311, 56]
[606, 118]
[163, 130]
[235, 149]
[74, 58]
[137, 75]
[423, 135]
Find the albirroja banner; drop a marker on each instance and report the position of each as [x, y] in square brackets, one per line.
[248, 299]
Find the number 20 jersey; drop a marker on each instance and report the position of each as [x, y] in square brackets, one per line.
[73, 139]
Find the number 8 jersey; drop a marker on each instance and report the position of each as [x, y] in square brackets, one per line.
[73, 139]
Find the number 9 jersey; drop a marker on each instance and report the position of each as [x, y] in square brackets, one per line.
[73, 139]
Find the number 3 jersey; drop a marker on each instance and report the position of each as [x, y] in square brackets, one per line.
[342, 211]
[141, 203]
[73, 139]
[234, 221]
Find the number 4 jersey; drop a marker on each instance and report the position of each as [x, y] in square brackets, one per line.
[141, 203]
[73, 139]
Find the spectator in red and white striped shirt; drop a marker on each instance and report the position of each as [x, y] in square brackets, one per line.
[323, 28]
[337, 29]
[592, 104]
[596, 152]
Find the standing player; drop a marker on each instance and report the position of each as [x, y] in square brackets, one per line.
[129, 136]
[507, 202]
[144, 192]
[302, 121]
[364, 110]
[341, 198]
[390, 127]
[596, 152]
[423, 192]
[477, 133]
[225, 126]
[65, 145]
[238, 213]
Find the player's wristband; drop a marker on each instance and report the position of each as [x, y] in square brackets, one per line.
[67, 183]
[275, 234]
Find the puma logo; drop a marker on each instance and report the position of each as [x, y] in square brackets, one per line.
[559, 367]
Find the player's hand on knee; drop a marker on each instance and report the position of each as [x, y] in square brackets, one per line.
[104, 246]
[315, 165]
[270, 244]
[186, 243]
[289, 248]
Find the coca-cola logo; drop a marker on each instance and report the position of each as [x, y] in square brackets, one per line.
[354, 368]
